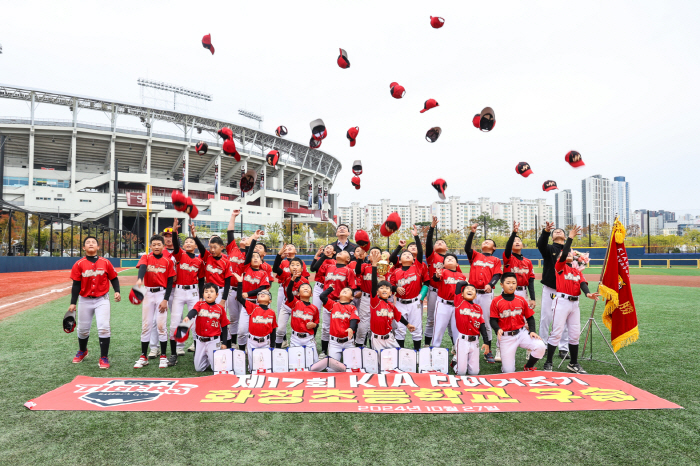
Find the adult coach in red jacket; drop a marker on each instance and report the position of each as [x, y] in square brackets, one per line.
[91, 277]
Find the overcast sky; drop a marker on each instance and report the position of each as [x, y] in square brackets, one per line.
[616, 81]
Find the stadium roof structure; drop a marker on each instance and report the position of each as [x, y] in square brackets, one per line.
[300, 154]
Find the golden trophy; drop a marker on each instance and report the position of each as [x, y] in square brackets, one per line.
[383, 266]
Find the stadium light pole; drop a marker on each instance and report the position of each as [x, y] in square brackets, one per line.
[252, 116]
[161, 86]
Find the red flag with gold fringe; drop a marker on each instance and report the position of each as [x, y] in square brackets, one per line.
[620, 316]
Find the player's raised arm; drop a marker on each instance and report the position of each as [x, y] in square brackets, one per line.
[468, 245]
[543, 240]
[429, 238]
[509, 245]
[419, 245]
[231, 227]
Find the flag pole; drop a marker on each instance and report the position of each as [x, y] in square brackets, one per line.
[588, 328]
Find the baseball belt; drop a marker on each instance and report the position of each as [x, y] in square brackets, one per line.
[95, 297]
[408, 301]
[481, 291]
[451, 303]
[206, 339]
[301, 335]
[382, 337]
[186, 287]
[520, 288]
[569, 297]
[511, 333]
[468, 337]
[259, 339]
[339, 340]
[155, 290]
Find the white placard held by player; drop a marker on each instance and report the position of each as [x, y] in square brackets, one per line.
[370, 360]
[407, 360]
[297, 358]
[239, 367]
[280, 360]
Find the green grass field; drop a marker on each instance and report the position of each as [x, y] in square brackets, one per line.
[35, 357]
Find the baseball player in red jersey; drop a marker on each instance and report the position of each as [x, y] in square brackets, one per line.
[512, 320]
[262, 323]
[293, 274]
[255, 280]
[382, 312]
[261, 249]
[211, 327]
[409, 279]
[363, 277]
[435, 255]
[339, 275]
[236, 257]
[484, 273]
[448, 276]
[156, 273]
[469, 322]
[187, 291]
[167, 235]
[521, 266]
[290, 253]
[305, 317]
[217, 268]
[91, 277]
[565, 308]
[343, 319]
[320, 276]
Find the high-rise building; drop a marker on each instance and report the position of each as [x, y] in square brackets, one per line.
[596, 200]
[621, 200]
[563, 209]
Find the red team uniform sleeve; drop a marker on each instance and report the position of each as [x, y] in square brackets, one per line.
[559, 266]
[172, 272]
[397, 314]
[532, 271]
[142, 261]
[494, 309]
[111, 273]
[497, 267]
[75, 273]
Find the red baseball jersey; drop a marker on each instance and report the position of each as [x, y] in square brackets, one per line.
[285, 277]
[522, 268]
[94, 278]
[169, 254]
[339, 277]
[568, 279]
[468, 316]
[365, 279]
[262, 321]
[511, 315]
[210, 319]
[341, 315]
[482, 269]
[448, 283]
[253, 279]
[302, 314]
[381, 315]
[236, 257]
[189, 268]
[411, 280]
[434, 262]
[216, 270]
[320, 276]
[158, 270]
[268, 270]
[284, 265]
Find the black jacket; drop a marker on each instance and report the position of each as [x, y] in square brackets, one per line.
[549, 258]
[350, 248]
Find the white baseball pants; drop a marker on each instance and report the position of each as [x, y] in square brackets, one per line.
[204, 353]
[566, 316]
[511, 343]
[252, 344]
[547, 317]
[243, 322]
[413, 313]
[318, 289]
[335, 349]
[154, 328]
[484, 300]
[432, 305]
[100, 309]
[149, 313]
[444, 319]
[379, 343]
[234, 312]
[283, 315]
[280, 296]
[364, 313]
[181, 298]
[467, 355]
[305, 341]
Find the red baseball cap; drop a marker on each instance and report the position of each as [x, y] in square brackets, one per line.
[314, 143]
[437, 22]
[362, 239]
[206, 43]
[201, 148]
[523, 168]
[69, 321]
[356, 182]
[182, 333]
[440, 185]
[397, 90]
[136, 295]
[392, 223]
[281, 131]
[343, 61]
[225, 133]
[549, 185]
[486, 120]
[430, 103]
[352, 135]
[357, 167]
[229, 148]
[433, 134]
[272, 158]
[318, 129]
[248, 180]
[574, 159]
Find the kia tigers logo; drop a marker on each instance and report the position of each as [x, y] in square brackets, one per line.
[126, 392]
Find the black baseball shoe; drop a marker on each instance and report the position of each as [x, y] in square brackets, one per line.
[489, 358]
[548, 366]
[564, 354]
[576, 368]
[172, 360]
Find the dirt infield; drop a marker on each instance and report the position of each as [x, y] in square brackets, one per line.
[21, 291]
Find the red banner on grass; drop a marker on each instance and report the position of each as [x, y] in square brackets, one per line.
[351, 392]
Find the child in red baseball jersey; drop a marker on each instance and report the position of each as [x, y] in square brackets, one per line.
[383, 313]
[188, 288]
[91, 277]
[211, 327]
[484, 273]
[447, 277]
[320, 275]
[339, 275]
[236, 257]
[262, 321]
[156, 273]
[255, 279]
[512, 320]
[343, 319]
[305, 317]
[294, 275]
[217, 268]
[435, 256]
[469, 324]
[521, 266]
[570, 283]
[363, 277]
[408, 280]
